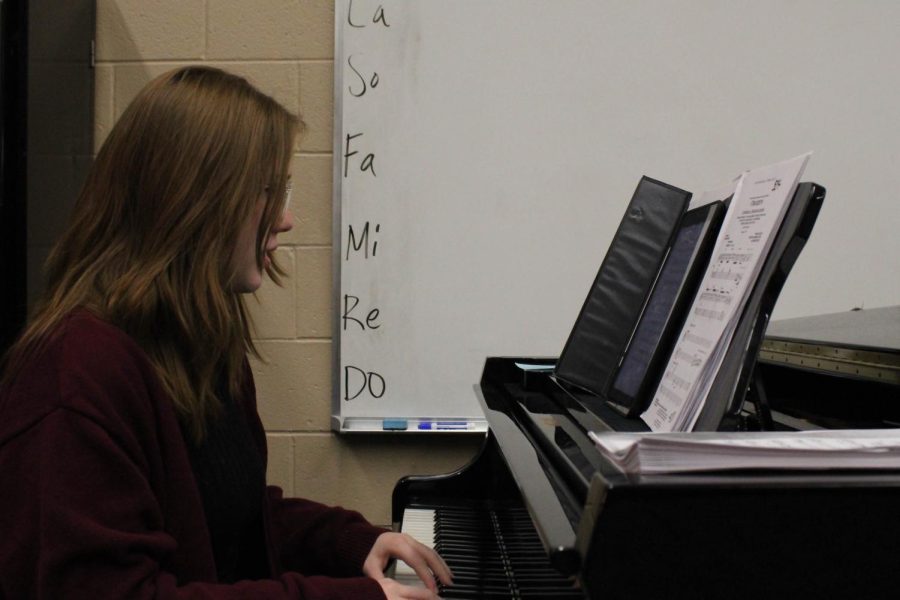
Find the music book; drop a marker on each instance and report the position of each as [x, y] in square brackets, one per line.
[659, 453]
[760, 200]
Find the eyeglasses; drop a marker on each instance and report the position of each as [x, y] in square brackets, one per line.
[288, 188]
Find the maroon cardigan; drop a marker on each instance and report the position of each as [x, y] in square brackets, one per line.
[98, 499]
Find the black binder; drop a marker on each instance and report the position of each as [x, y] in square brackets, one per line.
[614, 303]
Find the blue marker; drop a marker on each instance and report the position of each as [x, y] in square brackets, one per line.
[446, 426]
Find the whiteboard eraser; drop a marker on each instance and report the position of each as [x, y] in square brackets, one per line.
[394, 424]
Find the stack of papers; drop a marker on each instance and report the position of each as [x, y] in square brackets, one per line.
[654, 453]
[758, 205]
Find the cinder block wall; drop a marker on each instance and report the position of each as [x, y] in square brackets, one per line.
[286, 47]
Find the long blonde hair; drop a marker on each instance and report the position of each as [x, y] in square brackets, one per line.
[150, 243]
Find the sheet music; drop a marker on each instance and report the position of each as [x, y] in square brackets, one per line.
[646, 453]
[757, 208]
[619, 442]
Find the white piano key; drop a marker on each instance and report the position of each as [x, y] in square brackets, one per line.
[418, 523]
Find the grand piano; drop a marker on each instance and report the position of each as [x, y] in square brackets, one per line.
[539, 513]
[545, 516]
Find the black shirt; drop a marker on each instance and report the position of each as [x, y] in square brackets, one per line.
[231, 477]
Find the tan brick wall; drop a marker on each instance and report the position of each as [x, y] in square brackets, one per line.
[286, 47]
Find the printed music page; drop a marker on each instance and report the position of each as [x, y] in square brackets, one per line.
[756, 211]
[649, 453]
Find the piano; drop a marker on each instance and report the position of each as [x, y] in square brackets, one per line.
[539, 513]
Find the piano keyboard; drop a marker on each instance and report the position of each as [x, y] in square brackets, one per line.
[493, 553]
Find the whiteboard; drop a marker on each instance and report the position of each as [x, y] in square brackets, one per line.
[492, 145]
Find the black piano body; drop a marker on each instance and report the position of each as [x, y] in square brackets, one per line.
[745, 534]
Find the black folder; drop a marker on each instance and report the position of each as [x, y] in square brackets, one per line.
[615, 301]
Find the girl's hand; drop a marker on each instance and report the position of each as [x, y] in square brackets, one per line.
[423, 560]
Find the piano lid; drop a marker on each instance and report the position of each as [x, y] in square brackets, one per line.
[859, 344]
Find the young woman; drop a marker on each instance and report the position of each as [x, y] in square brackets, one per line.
[132, 458]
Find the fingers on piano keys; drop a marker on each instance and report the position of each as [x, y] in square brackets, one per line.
[493, 553]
